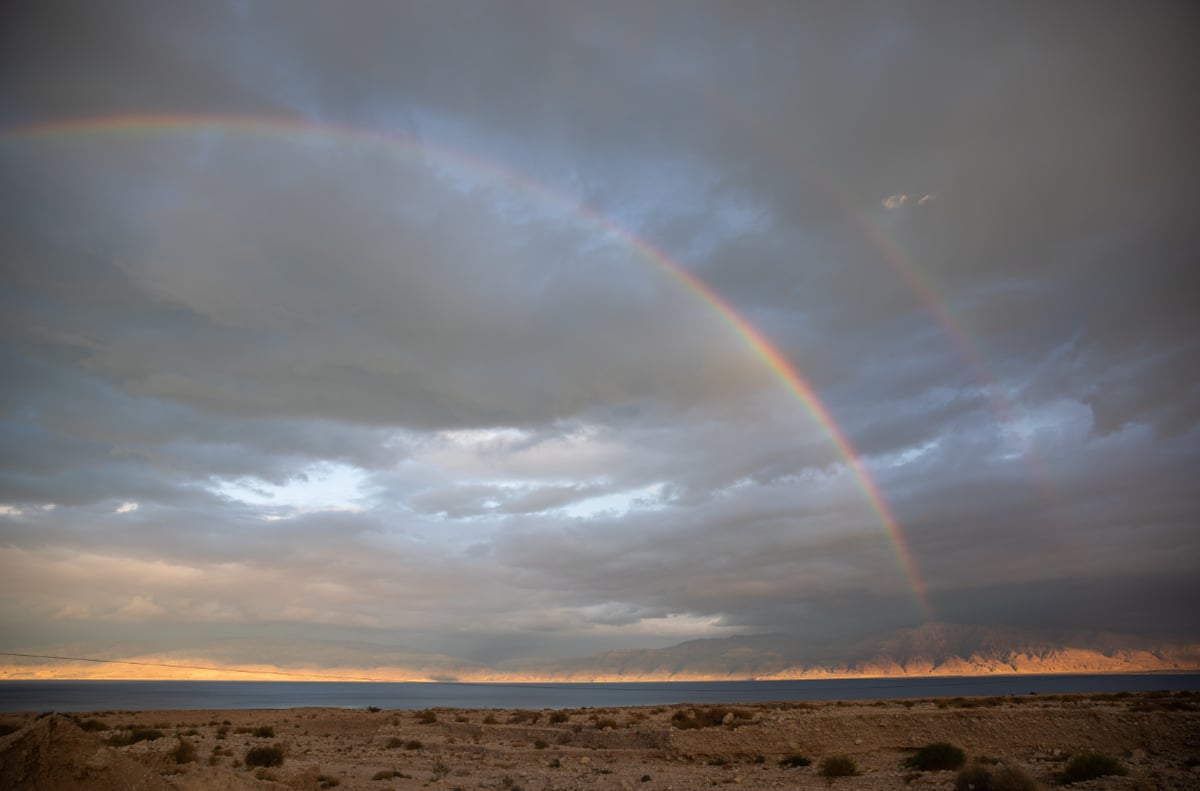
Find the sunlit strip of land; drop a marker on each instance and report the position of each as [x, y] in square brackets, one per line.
[157, 668]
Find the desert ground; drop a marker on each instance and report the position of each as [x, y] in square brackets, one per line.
[1013, 742]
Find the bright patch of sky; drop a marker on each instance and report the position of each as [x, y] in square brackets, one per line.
[325, 486]
[618, 503]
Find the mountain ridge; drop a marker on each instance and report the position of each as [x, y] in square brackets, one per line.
[933, 649]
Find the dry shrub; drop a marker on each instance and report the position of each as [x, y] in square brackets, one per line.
[1088, 765]
[1005, 777]
[264, 756]
[839, 766]
[937, 756]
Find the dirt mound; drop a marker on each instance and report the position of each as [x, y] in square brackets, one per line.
[53, 753]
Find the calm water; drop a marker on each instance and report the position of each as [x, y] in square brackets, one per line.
[147, 695]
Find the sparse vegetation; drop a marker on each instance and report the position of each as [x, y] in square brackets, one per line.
[413, 744]
[937, 757]
[92, 725]
[264, 756]
[1089, 765]
[540, 744]
[184, 752]
[128, 736]
[711, 717]
[523, 717]
[1004, 777]
[394, 742]
[260, 732]
[794, 760]
[557, 717]
[838, 766]
[388, 774]
[427, 717]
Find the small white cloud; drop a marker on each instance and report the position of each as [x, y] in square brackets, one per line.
[127, 507]
[895, 201]
[10, 510]
[927, 198]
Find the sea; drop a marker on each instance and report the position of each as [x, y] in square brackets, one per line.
[69, 696]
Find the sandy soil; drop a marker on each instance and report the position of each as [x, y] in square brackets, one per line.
[1156, 737]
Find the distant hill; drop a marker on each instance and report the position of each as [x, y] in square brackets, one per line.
[935, 649]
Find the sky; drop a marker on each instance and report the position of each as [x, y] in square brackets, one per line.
[511, 329]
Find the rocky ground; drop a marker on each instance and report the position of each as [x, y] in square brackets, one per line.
[1155, 737]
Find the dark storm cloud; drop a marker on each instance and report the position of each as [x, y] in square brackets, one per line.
[285, 378]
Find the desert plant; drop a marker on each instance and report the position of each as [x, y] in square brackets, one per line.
[557, 717]
[427, 717]
[710, 717]
[264, 756]
[490, 719]
[328, 781]
[606, 722]
[838, 766]
[394, 742]
[184, 752]
[540, 744]
[1088, 765]
[413, 744]
[1005, 777]
[125, 737]
[91, 725]
[937, 756]
[794, 760]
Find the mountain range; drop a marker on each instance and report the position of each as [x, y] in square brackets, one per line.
[934, 649]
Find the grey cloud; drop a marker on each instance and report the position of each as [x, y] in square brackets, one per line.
[188, 311]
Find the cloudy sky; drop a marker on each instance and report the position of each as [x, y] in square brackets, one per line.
[513, 328]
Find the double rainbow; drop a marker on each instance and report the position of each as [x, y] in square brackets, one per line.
[759, 344]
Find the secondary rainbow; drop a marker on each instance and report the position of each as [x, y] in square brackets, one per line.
[759, 344]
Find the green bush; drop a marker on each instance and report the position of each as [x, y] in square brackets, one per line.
[937, 756]
[264, 756]
[1086, 766]
[838, 766]
[795, 759]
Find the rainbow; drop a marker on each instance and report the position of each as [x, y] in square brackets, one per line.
[901, 264]
[759, 344]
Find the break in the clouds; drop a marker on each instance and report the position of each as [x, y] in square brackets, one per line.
[461, 325]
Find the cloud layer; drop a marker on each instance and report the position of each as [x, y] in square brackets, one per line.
[402, 363]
